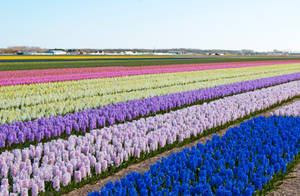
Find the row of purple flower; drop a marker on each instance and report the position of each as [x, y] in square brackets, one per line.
[80, 122]
[60, 164]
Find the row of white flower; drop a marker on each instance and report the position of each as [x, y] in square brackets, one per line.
[63, 103]
[60, 160]
[22, 95]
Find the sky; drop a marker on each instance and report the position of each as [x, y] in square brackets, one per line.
[260, 25]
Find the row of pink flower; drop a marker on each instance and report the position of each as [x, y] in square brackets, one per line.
[289, 110]
[59, 161]
[57, 75]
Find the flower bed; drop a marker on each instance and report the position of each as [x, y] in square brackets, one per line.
[22, 103]
[16, 134]
[65, 164]
[56, 75]
[240, 163]
[289, 110]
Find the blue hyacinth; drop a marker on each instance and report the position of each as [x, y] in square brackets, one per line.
[239, 163]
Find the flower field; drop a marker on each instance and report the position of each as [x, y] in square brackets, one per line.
[52, 75]
[239, 163]
[28, 102]
[60, 130]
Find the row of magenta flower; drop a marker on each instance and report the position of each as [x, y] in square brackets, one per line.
[239, 163]
[19, 133]
[60, 165]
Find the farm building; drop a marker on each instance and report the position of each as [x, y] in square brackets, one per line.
[56, 52]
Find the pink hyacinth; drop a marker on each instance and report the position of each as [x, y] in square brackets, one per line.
[83, 172]
[88, 170]
[77, 176]
[29, 169]
[34, 189]
[4, 182]
[24, 192]
[56, 183]
[2, 163]
[22, 165]
[55, 75]
[4, 172]
[137, 152]
[16, 188]
[98, 168]
[25, 155]
[74, 163]
[5, 192]
[24, 183]
[92, 160]
[70, 168]
[104, 165]
[66, 179]
[41, 185]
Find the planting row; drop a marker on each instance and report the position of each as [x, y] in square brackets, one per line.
[69, 105]
[289, 110]
[36, 93]
[59, 163]
[81, 122]
[55, 75]
[241, 162]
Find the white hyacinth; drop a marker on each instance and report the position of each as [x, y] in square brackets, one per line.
[61, 160]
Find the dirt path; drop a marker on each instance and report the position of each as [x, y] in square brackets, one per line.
[289, 186]
[145, 165]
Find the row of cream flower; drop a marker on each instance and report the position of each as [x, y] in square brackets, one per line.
[20, 133]
[55, 86]
[58, 162]
[74, 105]
[24, 95]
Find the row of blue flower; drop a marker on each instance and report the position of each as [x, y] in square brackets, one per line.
[80, 122]
[239, 163]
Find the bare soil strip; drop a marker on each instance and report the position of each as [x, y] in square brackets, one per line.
[290, 186]
[293, 184]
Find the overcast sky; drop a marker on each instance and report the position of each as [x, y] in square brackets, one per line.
[205, 24]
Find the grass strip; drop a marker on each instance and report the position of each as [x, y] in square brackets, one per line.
[9, 66]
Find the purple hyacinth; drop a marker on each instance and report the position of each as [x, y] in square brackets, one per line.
[120, 112]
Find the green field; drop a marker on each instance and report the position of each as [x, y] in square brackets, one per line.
[7, 66]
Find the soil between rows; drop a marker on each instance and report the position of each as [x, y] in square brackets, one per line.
[290, 186]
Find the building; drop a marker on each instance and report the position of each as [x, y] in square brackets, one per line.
[214, 54]
[19, 52]
[30, 52]
[129, 52]
[56, 52]
[96, 53]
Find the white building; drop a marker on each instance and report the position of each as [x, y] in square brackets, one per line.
[56, 52]
[96, 53]
[129, 52]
